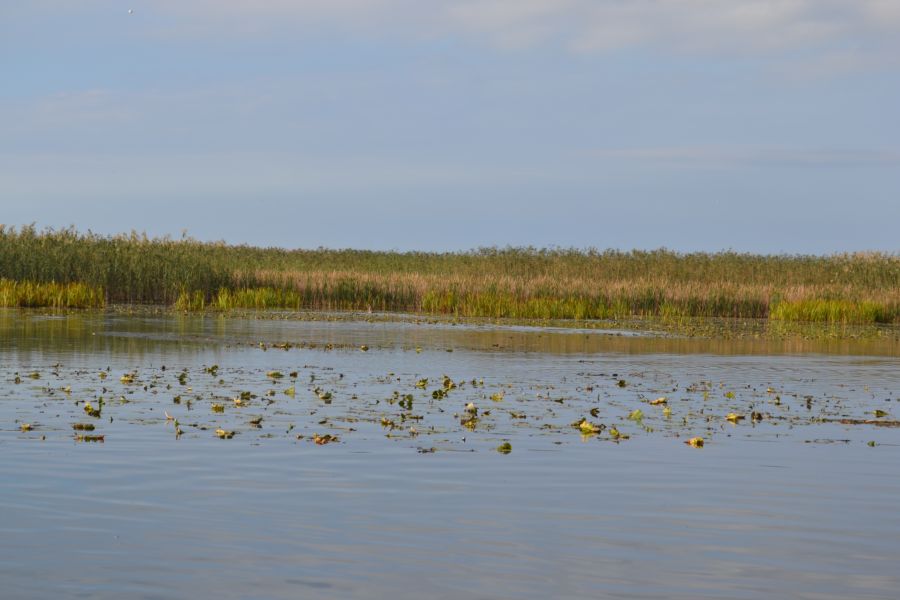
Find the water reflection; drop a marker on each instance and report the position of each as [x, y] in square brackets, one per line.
[91, 332]
[780, 508]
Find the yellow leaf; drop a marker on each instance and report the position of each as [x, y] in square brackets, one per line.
[588, 427]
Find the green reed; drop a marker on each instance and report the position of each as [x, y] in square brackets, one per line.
[27, 294]
[493, 282]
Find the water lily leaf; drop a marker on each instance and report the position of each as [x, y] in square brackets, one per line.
[587, 427]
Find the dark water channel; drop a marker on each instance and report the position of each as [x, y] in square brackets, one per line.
[405, 495]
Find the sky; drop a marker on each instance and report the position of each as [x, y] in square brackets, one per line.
[767, 126]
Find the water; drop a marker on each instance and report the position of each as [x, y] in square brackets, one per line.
[798, 504]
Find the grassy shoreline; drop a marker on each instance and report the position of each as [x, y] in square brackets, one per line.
[68, 269]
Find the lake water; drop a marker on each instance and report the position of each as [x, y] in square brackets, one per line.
[410, 498]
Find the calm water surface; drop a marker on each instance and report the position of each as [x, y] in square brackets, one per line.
[412, 499]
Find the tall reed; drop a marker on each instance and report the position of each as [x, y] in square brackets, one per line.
[28, 294]
[494, 282]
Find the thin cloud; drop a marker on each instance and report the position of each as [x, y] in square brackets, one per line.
[725, 156]
[591, 26]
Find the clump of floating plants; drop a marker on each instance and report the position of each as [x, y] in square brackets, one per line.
[429, 411]
[68, 269]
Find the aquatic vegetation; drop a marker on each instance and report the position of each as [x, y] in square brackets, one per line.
[31, 294]
[67, 269]
[401, 406]
[587, 427]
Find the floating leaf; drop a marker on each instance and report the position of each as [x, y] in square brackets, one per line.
[734, 417]
[658, 401]
[695, 442]
[504, 448]
[587, 427]
[615, 434]
[223, 434]
[218, 408]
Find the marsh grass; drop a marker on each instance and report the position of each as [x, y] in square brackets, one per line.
[27, 294]
[524, 283]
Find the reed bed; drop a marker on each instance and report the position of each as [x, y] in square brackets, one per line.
[27, 294]
[487, 282]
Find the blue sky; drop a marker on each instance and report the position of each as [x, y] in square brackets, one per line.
[754, 125]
